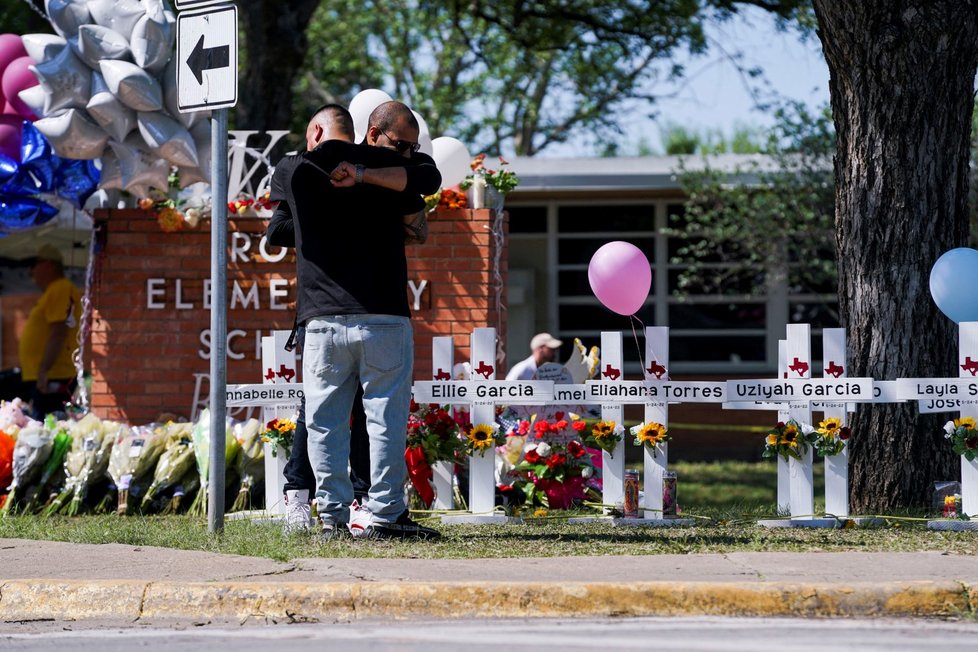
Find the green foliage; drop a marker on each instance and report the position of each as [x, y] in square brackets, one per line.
[767, 222]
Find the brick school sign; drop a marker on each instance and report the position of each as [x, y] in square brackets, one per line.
[150, 324]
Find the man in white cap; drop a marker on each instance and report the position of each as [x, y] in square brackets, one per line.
[49, 336]
[543, 349]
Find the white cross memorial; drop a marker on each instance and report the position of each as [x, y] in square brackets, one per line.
[280, 396]
[964, 391]
[483, 393]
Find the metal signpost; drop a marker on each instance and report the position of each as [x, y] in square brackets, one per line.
[207, 79]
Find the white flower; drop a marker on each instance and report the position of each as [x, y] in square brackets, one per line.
[807, 429]
[949, 428]
[530, 447]
[192, 216]
[587, 472]
[543, 449]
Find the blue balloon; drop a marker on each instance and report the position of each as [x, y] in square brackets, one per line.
[953, 286]
[76, 181]
[8, 168]
[19, 213]
[33, 144]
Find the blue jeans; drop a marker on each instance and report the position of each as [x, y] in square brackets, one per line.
[377, 352]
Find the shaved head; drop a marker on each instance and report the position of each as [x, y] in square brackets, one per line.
[329, 122]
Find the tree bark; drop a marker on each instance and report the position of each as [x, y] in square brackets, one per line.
[901, 81]
[274, 35]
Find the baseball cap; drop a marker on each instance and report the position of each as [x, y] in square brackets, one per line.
[48, 252]
[544, 339]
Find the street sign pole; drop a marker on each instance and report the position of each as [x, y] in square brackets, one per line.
[219, 325]
[207, 78]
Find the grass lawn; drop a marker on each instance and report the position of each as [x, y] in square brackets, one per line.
[725, 498]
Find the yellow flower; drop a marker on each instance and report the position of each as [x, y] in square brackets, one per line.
[482, 437]
[539, 513]
[830, 426]
[652, 433]
[967, 422]
[603, 429]
[772, 440]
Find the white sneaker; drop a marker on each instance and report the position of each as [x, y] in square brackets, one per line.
[360, 518]
[298, 514]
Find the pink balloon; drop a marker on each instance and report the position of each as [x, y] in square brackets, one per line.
[17, 78]
[10, 128]
[620, 277]
[11, 47]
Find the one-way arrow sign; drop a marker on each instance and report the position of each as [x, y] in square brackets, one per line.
[207, 58]
[202, 59]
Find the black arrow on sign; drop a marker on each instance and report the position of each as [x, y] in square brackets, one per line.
[202, 59]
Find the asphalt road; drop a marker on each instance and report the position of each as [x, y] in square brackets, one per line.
[694, 634]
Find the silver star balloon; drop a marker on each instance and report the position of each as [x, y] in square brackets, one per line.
[73, 135]
[95, 43]
[132, 85]
[140, 168]
[152, 38]
[67, 16]
[33, 97]
[106, 109]
[67, 82]
[168, 138]
[202, 172]
[120, 15]
[42, 47]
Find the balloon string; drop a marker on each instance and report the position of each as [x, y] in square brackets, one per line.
[36, 10]
[632, 320]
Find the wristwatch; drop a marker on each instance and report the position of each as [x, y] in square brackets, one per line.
[358, 176]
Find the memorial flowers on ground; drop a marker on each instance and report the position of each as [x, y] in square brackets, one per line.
[789, 439]
[963, 435]
[556, 465]
[432, 437]
[832, 437]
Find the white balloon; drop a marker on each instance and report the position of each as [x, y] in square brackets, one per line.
[67, 16]
[202, 172]
[452, 158]
[422, 126]
[34, 97]
[152, 38]
[120, 15]
[105, 108]
[425, 141]
[132, 85]
[42, 47]
[140, 168]
[67, 82]
[361, 106]
[168, 138]
[95, 43]
[73, 135]
[111, 176]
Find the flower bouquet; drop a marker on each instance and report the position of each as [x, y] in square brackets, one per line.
[482, 437]
[201, 435]
[133, 459]
[86, 463]
[279, 433]
[177, 458]
[650, 435]
[606, 435]
[12, 417]
[963, 436]
[53, 473]
[557, 473]
[791, 439]
[250, 461]
[832, 437]
[502, 180]
[432, 436]
[33, 447]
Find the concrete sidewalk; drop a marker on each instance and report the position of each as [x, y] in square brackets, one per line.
[43, 579]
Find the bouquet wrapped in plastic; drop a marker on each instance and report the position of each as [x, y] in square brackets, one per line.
[133, 459]
[86, 463]
[52, 476]
[202, 449]
[176, 460]
[12, 417]
[34, 445]
[250, 460]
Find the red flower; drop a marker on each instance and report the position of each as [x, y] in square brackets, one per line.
[541, 427]
[579, 426]
[414, 406]
[558, 415]
[560, 425]
[532, 456]
[556, 460]
[575, 449]
[524, 427]
[971, 442]
[845, 433]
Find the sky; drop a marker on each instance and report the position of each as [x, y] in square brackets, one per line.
[714, 95]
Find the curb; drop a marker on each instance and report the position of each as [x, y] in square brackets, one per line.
[312, 602]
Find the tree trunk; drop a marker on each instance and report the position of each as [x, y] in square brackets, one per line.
[274, 35]
[902, 83]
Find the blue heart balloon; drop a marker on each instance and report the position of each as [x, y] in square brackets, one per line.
[19, 213]
[952, 284]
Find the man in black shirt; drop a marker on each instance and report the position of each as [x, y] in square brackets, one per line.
[352, 279]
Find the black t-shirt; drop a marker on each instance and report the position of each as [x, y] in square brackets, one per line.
[349, 241]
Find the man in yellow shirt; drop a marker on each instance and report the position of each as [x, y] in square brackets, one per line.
[50, 336]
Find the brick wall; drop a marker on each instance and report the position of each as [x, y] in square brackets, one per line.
[150, 324]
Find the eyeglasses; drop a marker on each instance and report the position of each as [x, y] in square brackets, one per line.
[402, 145]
